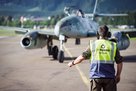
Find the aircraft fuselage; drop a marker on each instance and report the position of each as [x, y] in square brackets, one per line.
[76, 26]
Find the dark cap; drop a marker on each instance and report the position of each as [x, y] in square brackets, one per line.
[103, 31]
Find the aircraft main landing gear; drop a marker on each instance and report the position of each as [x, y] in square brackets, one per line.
[77, 41]
[54, 51]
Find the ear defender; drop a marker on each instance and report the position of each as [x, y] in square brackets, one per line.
[109, 34]
[97, 35]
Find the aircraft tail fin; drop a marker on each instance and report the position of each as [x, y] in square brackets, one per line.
[94, 11]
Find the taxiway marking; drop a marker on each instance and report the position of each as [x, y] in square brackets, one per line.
[82, 75]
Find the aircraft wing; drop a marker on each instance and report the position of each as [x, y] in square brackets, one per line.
[47, 32]
[22, 31]
[102, 15]
[111, 15]
[39, 31]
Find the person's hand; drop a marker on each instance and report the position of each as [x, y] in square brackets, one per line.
[117, 79]
[70, 64]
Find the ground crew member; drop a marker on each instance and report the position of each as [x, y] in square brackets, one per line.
[102, 53]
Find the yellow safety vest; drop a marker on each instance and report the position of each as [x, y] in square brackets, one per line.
[102, 51]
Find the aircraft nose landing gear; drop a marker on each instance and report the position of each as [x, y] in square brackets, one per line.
[58, 54]
[61, 52]
[61, 56]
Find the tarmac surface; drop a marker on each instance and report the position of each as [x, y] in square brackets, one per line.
[34, 70]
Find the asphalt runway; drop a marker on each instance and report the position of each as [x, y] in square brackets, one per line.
[34, 70]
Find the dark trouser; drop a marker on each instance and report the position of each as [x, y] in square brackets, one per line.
[105, 84]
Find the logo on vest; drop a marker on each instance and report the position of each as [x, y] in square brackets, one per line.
[103, 49]
[102, 46]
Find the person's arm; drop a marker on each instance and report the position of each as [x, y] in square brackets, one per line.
[119, 70]
[76, 61]
[119, 61]
[80, 58]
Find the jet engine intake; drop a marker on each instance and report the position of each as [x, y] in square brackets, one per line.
[33, 40]
[123, 41]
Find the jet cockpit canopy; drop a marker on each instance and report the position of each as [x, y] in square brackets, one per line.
[72, 10]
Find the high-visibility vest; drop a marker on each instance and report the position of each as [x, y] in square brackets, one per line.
[102, 59]
[103, 51]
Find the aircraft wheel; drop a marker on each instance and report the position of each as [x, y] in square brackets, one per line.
[55, 52]
[49, 50]
[61, 56]
[77, 41]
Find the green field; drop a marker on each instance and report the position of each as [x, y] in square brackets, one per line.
[133, 38]
[7, 33]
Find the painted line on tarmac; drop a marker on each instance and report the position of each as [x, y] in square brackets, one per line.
[82, 75]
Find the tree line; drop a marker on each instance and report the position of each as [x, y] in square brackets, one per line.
[29, 23]
[118, 20]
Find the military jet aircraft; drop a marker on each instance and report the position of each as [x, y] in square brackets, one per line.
[75, 25]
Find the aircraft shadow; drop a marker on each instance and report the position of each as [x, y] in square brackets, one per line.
[70, 58]
[131, 58]
[65, 59]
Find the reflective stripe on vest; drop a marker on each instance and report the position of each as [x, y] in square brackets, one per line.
[103, 51]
